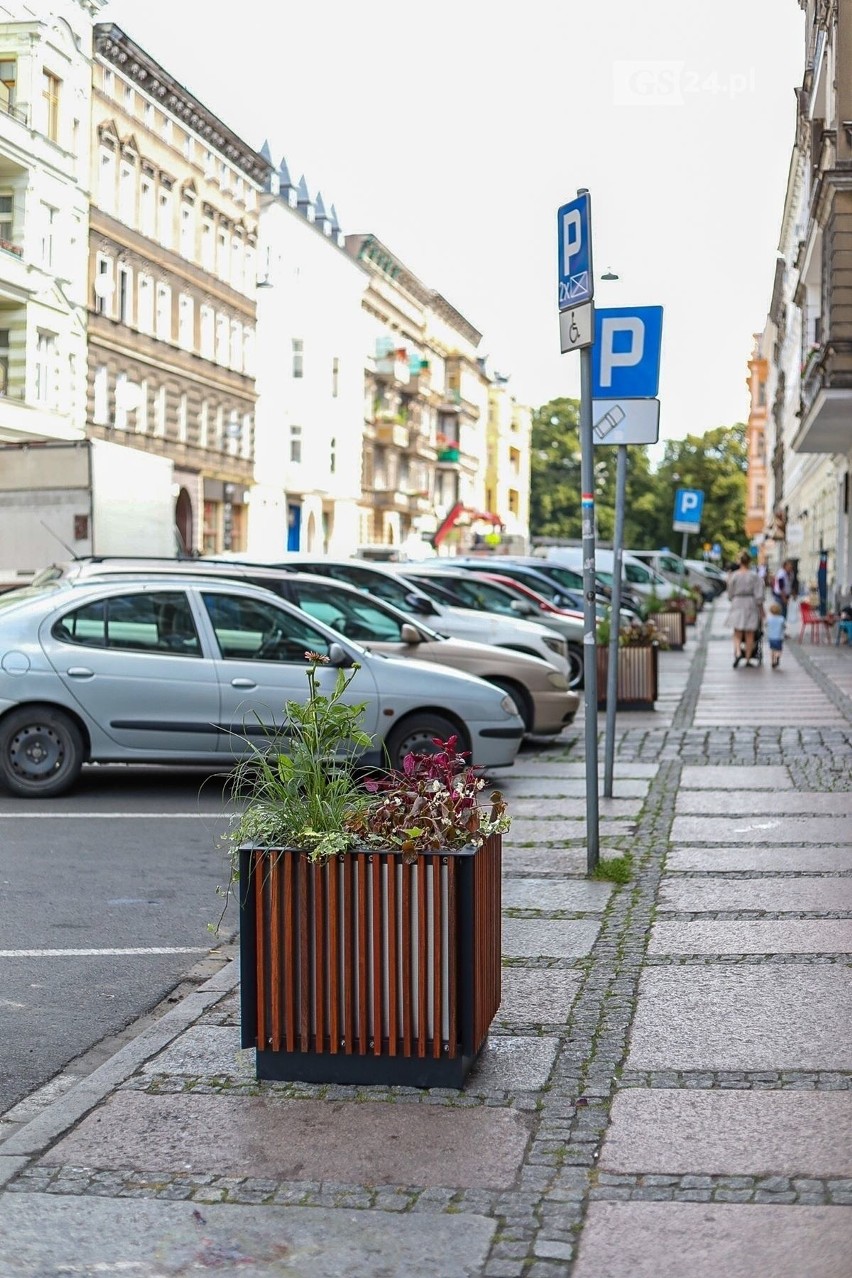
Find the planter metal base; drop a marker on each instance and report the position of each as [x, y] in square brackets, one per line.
[364, 1071]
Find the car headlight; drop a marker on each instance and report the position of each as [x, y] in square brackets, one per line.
[508, 705]
[559, 681]
[557, 645]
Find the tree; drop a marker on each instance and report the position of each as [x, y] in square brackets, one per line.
[716, 463]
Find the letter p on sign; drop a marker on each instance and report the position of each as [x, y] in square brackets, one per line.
[626, 353]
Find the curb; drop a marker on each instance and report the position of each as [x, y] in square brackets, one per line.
[34, 1137]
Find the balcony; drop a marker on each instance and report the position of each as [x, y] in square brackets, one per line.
[826, 400]
[394, 369]
[421, 446]
[392, 432]
[389, 498]
[18, 280]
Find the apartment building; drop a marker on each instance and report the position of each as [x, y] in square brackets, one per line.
[45, 92]
[310, 376]
[507, 475]
[811, 313]
[172, 286]
[757, 487]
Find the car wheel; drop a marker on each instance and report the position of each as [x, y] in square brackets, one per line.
[521, 698]
[575, 666]
[415, 735]
[41, 752]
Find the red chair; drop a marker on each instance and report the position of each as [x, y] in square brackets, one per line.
[817, 624]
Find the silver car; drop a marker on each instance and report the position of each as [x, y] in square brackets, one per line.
[193, 671]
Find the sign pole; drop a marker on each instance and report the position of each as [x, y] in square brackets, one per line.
[615, 618]
[590, 650]
[683, 548]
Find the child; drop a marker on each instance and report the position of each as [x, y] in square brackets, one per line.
[775, 627]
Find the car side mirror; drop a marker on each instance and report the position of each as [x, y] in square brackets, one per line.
[410, 634]
[338, 656]
[421, 604]
[522, 608]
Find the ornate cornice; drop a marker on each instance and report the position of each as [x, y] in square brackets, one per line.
[113, 46]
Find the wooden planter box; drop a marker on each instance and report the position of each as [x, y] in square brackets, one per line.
[638, 671]
[365, 969]
[672, 627]
[688, 607]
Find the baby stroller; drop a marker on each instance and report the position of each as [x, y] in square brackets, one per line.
[757, 651]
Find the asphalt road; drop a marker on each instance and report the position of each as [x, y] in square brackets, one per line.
[106, 897]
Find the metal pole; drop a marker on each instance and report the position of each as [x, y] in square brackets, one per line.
[590, 651]
[615, 618]
[683, 547]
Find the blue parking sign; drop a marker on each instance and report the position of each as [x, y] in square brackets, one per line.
[574, 237]
[689, 502]
[626, 352]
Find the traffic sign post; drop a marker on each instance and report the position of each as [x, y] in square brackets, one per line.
[576, 292]
[627, 352]
[689, 502]
[629, 421]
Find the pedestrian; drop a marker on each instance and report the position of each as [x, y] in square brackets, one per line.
[745, 591]
[776, 628]
[782, 586]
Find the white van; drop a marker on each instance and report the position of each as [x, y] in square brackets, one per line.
[674, 569]
[636, 575]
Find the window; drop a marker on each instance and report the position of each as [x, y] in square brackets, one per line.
[251, 630]
[44, 366]
[247, 435]
[332, 456]
[100, 388]
[207, 342]
[164, 312]
[186, 322]
[207, 245]
[6, 215]
[50, 85]
[363, 618]
[222, 254]
[48, 228]
[248, 351]
[236, 345]
[236, 262]
[295, 443]
[759, 495]
[147, 206]
[183, 418]
[160, 412]
[514, 501]
[142, 409]
[204, 425]
[219, 439]
[761, 394]
[145, 304]
[103, 285]
[187, 230]
[148, 115]
[8, 84]
[298, 357]
[4, 360]
[157, 622]
[222, 342]
[335, 377]
[121, 397]
[233, 431]
[126, 193]
[108, 81]
[249, 270]
[125, 294]
[164, 219]
[106, 178]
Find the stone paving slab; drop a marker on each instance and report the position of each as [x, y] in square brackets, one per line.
[737, 860]
[729, 1133]
[539, 859]
[749, 802]
[775, 895]
[55, 1235]
[571, 787]
[727, 1017]
[365, 1143]
[544, 809]
[548, 938]
[714, 1240]
[575, 895]
[753, 936]
[763, 829]
[537, 996]
[538, 767]
[557, 830]
[722, 777]
[512, 1064]
[212, 1051]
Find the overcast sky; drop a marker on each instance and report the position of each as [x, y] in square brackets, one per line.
[455, 129]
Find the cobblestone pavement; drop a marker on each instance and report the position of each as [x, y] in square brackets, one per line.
[667, 1087]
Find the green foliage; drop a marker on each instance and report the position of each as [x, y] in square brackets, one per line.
[715, 462]
[615, 869]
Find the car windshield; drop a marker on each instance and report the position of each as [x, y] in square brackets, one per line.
[468, 592]
[352, 614]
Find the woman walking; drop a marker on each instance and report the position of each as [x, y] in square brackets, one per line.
[745, 591]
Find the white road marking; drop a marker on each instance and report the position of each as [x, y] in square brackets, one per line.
[164, 949]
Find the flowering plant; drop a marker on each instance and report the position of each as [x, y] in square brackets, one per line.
[312, 795]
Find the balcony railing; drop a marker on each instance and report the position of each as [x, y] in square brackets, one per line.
[16, 112]
[8, 247]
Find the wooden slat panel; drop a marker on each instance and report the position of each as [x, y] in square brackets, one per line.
[422, 957]
[407, 965]
[334, 990]
[380, 928]
[347, 914]
[393, 957]
[272, 870]
[452, 966]
[303, 905]
[320, 875]
[290, 950]
[257, 871]
[363, 965]
[437, 955]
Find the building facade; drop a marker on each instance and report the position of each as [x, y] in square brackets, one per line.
[172, 287]
[757, 488]
[811, 313]
[310, 377]
[45, 102]
[507, 476]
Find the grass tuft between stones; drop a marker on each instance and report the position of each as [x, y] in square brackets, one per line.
[615, 869]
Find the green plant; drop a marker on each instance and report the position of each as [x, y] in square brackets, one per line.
[615, 869]
[304, 796]
[654, 604]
